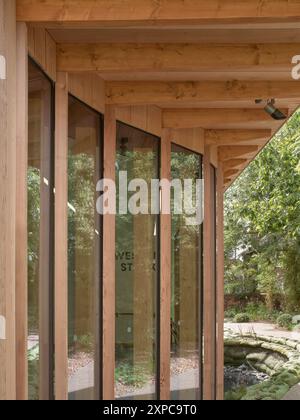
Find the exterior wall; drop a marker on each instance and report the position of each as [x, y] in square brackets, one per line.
[42, 49]
[7, 199]
[147, 118]
[90, 89]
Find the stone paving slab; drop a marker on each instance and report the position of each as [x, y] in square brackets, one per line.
[293, 394]
[263, 329]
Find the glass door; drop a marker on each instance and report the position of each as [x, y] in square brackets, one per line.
[40, 237]
[187, 284]
[137, 267]
[84, 252]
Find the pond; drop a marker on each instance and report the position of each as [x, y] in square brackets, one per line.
[240, 377]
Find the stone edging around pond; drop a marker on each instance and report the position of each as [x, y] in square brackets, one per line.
[278, 357]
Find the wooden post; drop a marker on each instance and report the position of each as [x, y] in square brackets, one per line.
[109, 275]
[220, 282]
[61, 237]
[21, 214]
[209, 304]
[165, 273]
[7, 198]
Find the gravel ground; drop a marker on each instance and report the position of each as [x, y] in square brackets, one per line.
[77, 361]
[179, 366]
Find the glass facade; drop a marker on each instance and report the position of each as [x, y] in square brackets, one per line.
[137, 260]
[137, 272]
[84, 251]
[187, 286]
[40, 226]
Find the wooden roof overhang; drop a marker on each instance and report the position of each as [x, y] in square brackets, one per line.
[204, 63]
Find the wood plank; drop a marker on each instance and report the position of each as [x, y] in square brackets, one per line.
[146, 118]
[42, 49]
[8, 199]
[39, 46]
[89, 88]
[61, 237]
[21, 214]
[217, 118]
[230, 152]
[220, 283]
[175, 57]
[190, 138]
[154, 120]
[193, 93]
[109, 275]
[50, 56]
[208, 241]
[165, 273]
[230, 172]
[204, 34]
[233, 163]
[232, 137]
[165, 12]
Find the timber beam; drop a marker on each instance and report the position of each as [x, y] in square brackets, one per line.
[162, 13]
[227, 118]
[234, 163]
[233, 137]
[191, 93]
[230, 152]
[126, 58]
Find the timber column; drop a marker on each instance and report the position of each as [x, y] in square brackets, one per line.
[7, 198]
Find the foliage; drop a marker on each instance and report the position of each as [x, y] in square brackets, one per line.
[85, 343]
[285, 321]
[236, 394]
[33, 372]
[131, 375]
[262, 223]
[291, 263]
[242, 318]
[255, 312]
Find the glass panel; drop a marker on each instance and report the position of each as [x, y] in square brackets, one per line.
[214, 271]
[137, 273]
[40, 251]
[84, 171]
[186, 309]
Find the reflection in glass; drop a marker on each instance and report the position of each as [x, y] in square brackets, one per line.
[186, 309]
[84, 171]
[137, 272]
[214, 284]
[40, 252]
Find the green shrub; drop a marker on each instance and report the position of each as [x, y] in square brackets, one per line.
[131, 375]
[235, 394]
[33, 373]
[230, 313]
[242, 318]
[258, 312]
[292, 276]
[285, 321]
[85, 342]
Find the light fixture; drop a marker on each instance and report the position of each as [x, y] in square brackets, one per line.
[271, 109]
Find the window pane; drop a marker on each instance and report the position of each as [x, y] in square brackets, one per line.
[137, 273]
[214, 271]
[84, 171]
[40, 252]
[186, 309]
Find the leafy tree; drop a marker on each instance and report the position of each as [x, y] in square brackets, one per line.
[262, 221]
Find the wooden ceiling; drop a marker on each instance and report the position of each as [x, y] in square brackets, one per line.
[204, 62]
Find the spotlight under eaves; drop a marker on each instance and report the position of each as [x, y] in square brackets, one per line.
[271, 109]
